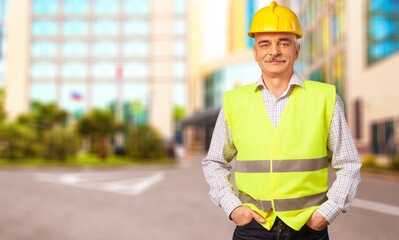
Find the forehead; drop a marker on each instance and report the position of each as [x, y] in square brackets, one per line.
[274, 36]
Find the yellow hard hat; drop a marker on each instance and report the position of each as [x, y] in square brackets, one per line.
[275, 18]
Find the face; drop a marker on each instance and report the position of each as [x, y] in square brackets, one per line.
[276, 53]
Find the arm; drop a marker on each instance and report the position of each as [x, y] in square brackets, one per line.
[346, 162]
[216, 166]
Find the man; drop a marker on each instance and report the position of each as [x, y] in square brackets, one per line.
[280, 130]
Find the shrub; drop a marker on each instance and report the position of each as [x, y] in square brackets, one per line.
[396, 162]
[18, 141]
[144, 142]
[60, 144]
[368, 160]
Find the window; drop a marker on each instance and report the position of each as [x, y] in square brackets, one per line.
[179, 48]
[179, 94]
[135, 92]
[3, 7]
[105, 48]
[49, 7]
[41, 70]
[337, 73]
[103, 70]
[135, 48]
[383, 138]
[136, 6]
[105, 27]
[136, 69]
[104, 95]
[136, 27]
[43, 92]
[74, 49]
[44, 28]
[179, 27]
[106, 6]
[135, 103]
[76, 6]
[180, 6]
[358, 118]
[75, 28]
[179, 69]
[44, 49]
[382, 31]
[73, 70]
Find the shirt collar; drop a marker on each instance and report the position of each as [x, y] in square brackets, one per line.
[295, 80]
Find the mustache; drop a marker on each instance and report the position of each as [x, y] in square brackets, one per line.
[275, 59]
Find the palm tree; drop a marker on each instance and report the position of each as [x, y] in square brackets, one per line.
[98, 125]
[46, 116]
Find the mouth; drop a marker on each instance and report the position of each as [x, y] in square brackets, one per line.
[275, 60]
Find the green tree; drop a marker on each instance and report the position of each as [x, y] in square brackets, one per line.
[46, 116]
[97, 126]
[2, 111]
[178, 113]
[18, 141]
[60, 144]
[145, 142]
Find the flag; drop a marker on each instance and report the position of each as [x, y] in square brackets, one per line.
[75, 96]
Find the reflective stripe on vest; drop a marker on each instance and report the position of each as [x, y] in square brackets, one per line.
[286, 204]
[297, 165]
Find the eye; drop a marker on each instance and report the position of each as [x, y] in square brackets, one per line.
[264, 45]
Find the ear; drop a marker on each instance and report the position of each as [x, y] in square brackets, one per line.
[297, 50]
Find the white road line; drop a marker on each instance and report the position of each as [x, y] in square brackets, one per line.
[127, 184]
[376, 207]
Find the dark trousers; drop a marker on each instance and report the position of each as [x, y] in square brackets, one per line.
[279, 231]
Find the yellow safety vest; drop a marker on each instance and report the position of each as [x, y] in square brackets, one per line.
[282, 171]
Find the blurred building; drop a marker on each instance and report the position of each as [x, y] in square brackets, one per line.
[128, 55]
[351, 44]
[355, 46]
[2, 38]
[237, 68]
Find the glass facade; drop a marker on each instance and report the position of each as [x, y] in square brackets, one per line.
[324, 32]
[227, 78]
[179, 65]
[382, 29]
[83, 52]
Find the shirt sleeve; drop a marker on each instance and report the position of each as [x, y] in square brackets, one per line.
[346, 163]
[217, 168]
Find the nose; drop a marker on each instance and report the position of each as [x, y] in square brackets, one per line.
[275, 50]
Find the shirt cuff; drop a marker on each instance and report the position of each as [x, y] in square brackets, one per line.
[229, 203]
[329, 210]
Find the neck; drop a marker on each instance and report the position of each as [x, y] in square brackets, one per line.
[276, 84]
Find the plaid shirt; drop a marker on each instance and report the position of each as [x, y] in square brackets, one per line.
[345, 158]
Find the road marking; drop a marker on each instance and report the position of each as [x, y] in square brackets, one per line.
[375, 206]
[116, 182]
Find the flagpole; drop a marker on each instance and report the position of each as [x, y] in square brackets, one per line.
[119, 113]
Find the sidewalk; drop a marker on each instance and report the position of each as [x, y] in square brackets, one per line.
[383, 174]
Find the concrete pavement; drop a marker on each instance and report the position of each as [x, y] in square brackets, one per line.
[171, 204]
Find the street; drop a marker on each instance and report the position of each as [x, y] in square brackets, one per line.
[142, 203]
